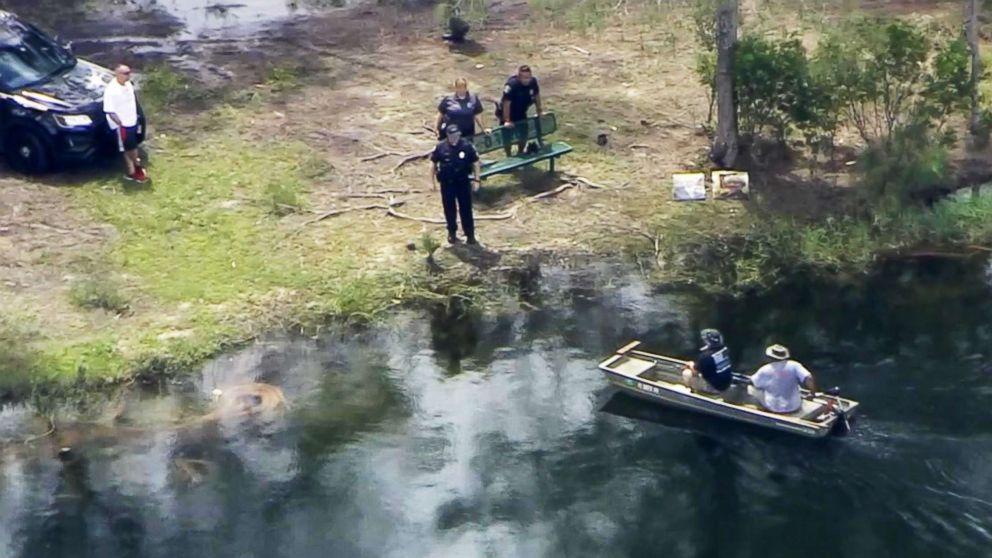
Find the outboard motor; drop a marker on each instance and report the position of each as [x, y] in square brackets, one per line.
[842, 426]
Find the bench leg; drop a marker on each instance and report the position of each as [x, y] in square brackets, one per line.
[552, 170]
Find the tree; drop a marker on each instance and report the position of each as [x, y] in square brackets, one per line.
[971, 31]
[724, 151]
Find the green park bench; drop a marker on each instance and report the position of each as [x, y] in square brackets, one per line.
[538, 128]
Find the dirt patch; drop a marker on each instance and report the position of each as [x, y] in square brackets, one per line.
[43, 239]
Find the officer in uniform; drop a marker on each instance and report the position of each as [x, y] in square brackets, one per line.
[520, 92]
[455, 164]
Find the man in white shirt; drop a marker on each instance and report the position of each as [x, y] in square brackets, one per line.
[121, 106]
[778, 382]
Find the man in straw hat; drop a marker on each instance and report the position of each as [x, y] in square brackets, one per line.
[778, 382]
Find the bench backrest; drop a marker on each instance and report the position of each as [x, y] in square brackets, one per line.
[537, 128]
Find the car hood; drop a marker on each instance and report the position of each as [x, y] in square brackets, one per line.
[75, 89]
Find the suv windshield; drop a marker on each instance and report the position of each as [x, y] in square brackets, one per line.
[28, 56]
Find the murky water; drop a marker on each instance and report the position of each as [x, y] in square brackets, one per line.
[462, 435]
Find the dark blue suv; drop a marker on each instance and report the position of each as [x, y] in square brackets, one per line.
[51, 103]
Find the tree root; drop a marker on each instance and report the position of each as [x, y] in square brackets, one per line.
[412, 157]
[378, 156]
[334, 212]
[51, 430]
[576, 179]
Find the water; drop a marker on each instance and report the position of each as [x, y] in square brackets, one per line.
[454, 435]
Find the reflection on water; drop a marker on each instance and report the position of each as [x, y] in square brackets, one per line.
[459, 434]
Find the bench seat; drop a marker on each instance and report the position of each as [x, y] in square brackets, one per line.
[548, 151]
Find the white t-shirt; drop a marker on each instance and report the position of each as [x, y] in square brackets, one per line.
[780, 383]
[119, 99]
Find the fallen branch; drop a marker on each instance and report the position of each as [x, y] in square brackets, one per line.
[640, 146]
[434, 221]
[981, 248]
[335, 212]
[580, 50]
[550, 193]
[365, 195]
[411, 158]
[51, 429]
[396, 191]
[378, 156]
[582, 180]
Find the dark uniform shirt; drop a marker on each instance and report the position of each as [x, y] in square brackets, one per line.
[461, 112]
[716, 368]
[453, 163]
[521, 96]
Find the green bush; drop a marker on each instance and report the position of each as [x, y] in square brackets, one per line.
[913, 160]
[284, 78]
[283, 198]
[99, 292]
[160, 87]
[890, 74]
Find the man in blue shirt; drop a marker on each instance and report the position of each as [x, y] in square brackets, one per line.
[520, 92]
[712, 372]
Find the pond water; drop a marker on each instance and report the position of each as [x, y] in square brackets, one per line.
[462, 435]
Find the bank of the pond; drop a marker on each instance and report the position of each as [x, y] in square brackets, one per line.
[107, 280]
[759, 250]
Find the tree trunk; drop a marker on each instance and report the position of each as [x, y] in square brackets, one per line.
[724, 151]
[971, 31]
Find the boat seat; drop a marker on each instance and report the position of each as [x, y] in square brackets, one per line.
[633, 366]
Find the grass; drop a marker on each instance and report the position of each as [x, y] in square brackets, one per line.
[757, 251]
[19, 359]
[213, 253]
[214, 262]
[101, 292]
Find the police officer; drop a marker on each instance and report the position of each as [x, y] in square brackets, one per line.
[463, 108]
[520, 92]
[455, 164]
[713, 364]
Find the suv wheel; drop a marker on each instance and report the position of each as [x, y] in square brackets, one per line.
[25, 152]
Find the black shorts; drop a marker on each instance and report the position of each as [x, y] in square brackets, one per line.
[127, 138]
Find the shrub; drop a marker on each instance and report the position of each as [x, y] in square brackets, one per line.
[99, 292]
[282, 198]
[160, 87]
[889, 75]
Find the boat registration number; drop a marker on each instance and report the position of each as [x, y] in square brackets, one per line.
[649, 389]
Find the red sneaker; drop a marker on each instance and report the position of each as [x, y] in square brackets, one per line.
[140, 175]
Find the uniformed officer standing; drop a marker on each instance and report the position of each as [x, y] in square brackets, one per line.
[520, 92]
[453, 162]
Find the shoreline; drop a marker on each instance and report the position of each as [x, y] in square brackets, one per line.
[110, 282]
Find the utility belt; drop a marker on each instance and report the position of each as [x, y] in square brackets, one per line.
[453, 173]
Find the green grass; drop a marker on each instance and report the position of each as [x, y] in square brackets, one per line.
[756, 251]
[284, 78]
[212, 262]
[19, 358]
[99, 292]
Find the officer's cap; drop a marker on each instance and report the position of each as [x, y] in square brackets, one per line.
[453, 129]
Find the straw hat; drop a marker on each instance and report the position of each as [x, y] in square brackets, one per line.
[777, 352]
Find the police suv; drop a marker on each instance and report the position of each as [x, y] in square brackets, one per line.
[51, 103]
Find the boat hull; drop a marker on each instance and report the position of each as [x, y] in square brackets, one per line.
[688, 403]
[657, 379]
